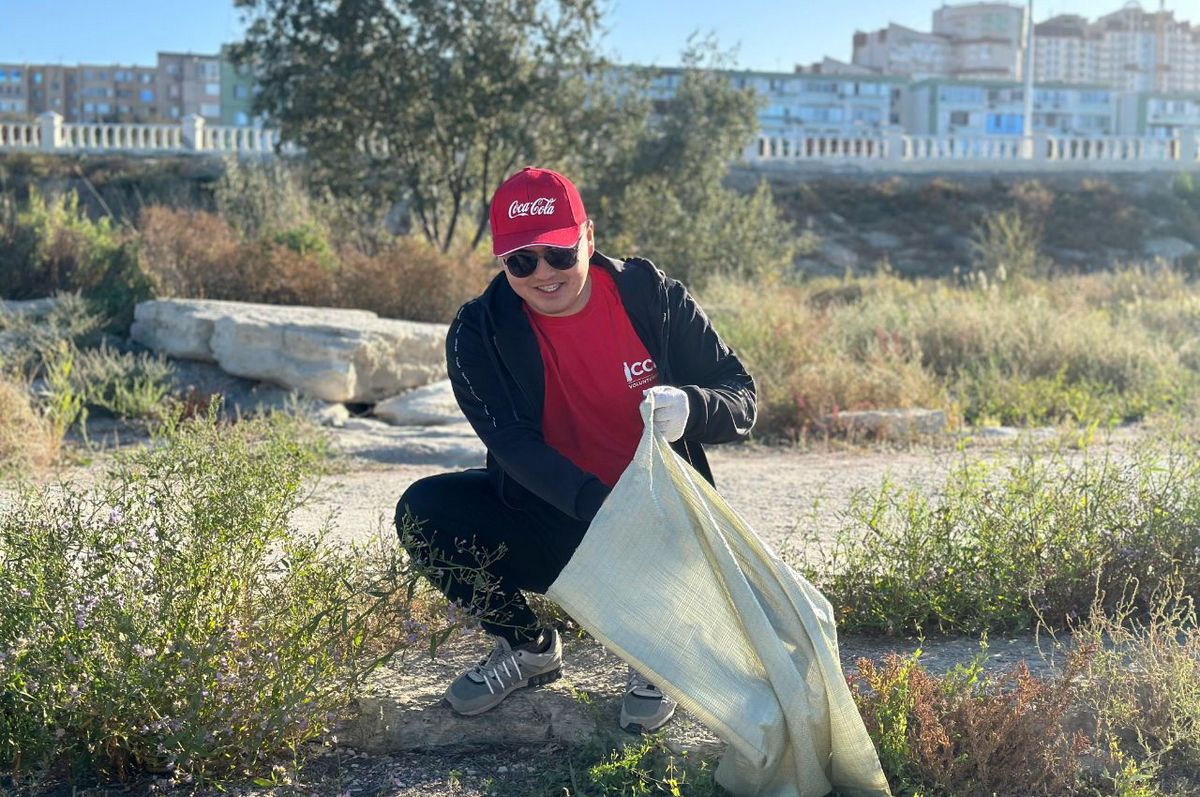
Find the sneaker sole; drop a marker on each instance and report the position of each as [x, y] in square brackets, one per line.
[536, 680]
[638, 728]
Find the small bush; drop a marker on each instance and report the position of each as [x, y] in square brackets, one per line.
[50, 246]
[1006, 246]
[121, 383]
[1005, 544]
[1140, 686]
[189, 254]
[26, 338]
[966, 733]
[411, 279]
[172, 620]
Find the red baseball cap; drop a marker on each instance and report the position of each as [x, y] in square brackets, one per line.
[535, 207]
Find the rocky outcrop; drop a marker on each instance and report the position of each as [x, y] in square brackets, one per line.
[328, 354]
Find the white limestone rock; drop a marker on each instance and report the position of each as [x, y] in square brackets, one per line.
[431, 405]
[330, 354]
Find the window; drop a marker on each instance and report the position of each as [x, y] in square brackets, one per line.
[174, 112]
[37, 77]
[173, 91]
[1005, 123]
[146, 95]
[240, 119]
[960, 118]
[241, 92]
[103, 107]
[122, 76]
[89, 107]
[3, 76]
[207, 109]
[16, 75]
[146, 77]
[172, 69]
[212, 89]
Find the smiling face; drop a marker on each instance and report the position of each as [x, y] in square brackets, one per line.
[553, 292]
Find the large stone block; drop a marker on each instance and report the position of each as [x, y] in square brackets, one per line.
[329, 354]
[431, 405]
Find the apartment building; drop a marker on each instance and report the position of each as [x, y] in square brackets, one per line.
[977, 40]
[189, 84]
[115, 93]
[997, 108]
[237, 92]
[14, 98]
[1159, 114]
[1130, 49]
[808, 102]
[987, 40]
[52, 88]
[897, 50]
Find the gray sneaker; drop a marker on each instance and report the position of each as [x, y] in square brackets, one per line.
[505, 669]
[645, 708]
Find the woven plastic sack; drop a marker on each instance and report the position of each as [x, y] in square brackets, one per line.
[673, 581]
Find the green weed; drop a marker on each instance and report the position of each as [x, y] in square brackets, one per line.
[1007, 543]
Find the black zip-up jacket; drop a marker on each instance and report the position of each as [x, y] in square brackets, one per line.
[496, 370]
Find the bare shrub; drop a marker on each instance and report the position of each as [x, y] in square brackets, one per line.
[411, 279]
[968, 734]
[188, 253]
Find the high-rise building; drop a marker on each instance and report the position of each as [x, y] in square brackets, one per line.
[976, 40]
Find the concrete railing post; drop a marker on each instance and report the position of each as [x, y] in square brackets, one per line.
[52, 130]
[1039, 141]
[193, 131]
[895, 145]
[1187, 147]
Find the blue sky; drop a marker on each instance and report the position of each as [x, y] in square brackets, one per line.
[769, 35]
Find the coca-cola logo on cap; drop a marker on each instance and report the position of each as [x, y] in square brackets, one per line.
[542, 206]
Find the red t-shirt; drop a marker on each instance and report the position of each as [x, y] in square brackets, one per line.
[596, 369]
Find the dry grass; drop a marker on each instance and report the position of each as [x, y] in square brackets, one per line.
[26, 441]
[1080, 349]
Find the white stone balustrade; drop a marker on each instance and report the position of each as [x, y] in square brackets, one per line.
[51, 134]
[902, 152]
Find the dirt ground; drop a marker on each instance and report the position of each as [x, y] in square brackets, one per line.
[786, 494]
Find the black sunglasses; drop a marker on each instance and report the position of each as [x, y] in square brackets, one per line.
[522, 264]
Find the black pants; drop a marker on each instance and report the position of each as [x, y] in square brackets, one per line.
[458, 519]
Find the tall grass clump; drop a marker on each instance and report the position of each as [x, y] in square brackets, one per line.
[1004, 544]
[173, 620]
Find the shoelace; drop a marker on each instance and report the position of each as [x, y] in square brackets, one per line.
[637, 681]
[500, 657]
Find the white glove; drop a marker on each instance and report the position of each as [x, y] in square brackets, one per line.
[670, 411]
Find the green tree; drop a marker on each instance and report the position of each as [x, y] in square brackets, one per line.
[435, 102]
[671, 202]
